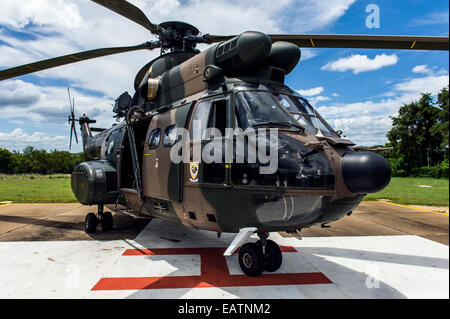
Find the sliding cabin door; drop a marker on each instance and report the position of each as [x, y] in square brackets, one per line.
[207, 129]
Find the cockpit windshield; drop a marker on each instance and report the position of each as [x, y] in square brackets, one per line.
[260, 108]
[304, 113]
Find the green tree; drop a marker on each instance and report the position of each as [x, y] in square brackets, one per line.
[38, 160]
[411, 135]
[5, 161]
[441, 127]
[32, 160]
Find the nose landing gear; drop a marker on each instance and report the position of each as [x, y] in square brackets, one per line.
[265, 254]
[104, 219]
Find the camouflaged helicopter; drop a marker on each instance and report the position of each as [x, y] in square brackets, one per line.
[238, 82]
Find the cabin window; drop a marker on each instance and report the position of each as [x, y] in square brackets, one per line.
[110, 147]
[170, 135]
[155, 137]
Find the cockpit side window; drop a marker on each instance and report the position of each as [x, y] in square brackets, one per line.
[218, 116]
[304, 113]
[200, 120]
[257, 108]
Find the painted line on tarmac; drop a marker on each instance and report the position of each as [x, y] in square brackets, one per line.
[414, 207]
[5, 203]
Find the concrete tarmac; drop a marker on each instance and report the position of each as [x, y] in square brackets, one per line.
[37, 222]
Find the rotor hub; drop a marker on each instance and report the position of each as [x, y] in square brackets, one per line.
[179, 36]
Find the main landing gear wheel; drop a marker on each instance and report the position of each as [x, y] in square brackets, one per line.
[103, 219]
[90, 223]
[106, 221]
[251, 259]
[263, 255]
[273, 256]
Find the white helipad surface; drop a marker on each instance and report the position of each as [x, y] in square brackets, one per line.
[354, 267]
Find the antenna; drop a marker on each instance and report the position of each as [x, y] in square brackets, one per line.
[319, 132]
[342, 123]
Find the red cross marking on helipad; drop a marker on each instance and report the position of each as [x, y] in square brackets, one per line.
[214, 273]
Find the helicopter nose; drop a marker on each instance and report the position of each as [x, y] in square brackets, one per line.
[365, 172]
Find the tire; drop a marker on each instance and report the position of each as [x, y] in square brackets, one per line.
[90, 223]
[107, 221]
[273, 256]
[251, 259]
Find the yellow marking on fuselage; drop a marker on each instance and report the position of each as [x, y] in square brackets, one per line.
[412, 46]
[312, 42]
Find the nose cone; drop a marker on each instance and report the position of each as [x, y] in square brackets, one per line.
[365, 172]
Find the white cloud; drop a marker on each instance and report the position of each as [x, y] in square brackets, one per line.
[306, 15]
[18, 139]
[311, 92]
[432, 18]
[367, 122]
[431, 84]
[61, 13]
[49, 106]
[423, 68]
[361, 63]
[316, 99]
[18, 93]
[307, 54]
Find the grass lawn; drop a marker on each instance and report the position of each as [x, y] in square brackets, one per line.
[406, 190]
[34, 188]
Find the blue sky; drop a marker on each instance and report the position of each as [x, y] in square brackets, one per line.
[355, 90]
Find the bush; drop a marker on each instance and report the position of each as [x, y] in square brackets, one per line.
[438, 171]
[398, 167]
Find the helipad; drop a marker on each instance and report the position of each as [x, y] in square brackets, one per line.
[169, 261]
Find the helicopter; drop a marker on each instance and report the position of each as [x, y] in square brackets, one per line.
[191, 143]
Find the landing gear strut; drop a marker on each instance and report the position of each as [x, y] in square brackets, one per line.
[104, 219]
[265, 254]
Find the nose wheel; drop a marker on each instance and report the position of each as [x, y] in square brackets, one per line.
[263, 255]
[104, 219]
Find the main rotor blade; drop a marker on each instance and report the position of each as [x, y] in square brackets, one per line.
[67, 59]
[365, 41]
[129, 11]
[356, 41]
